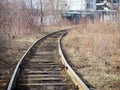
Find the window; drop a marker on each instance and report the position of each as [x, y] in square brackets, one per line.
[89, 6]
[115, 1]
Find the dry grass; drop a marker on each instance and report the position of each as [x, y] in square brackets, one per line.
[94, 52]
[55, 28]
[12, 54]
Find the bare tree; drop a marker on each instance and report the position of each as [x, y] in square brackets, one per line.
[50, 11]
[16, 19]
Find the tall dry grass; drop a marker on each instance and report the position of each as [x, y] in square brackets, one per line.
[94, 52]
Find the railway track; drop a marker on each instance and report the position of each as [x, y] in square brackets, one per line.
[41, 68]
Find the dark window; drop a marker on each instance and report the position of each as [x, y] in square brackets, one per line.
[89, 5]
[115, 1]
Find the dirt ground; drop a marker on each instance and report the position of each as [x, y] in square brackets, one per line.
[94, 53]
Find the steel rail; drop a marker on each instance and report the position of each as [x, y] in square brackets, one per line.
[76, 79]
[70, 71]
[18, 66]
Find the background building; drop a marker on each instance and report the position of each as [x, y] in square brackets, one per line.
[76, 4]
[91, 5]
[92, 9]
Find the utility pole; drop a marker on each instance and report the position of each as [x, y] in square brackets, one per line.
[118, 13]
[31, 5]
[41, 12]
[111, 4]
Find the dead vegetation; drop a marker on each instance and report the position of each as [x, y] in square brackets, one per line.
[11, 56]
[94, 52]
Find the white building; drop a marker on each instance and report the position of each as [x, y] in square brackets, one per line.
[76, 4]
[107, 4]
[92, 9]
[81, 5]
[92, 4]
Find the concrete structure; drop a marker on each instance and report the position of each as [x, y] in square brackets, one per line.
[91, 5]
[107, 4]
[76, 4]
[81, 5]
[93, 9]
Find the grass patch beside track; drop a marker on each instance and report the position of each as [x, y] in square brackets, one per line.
[94, 52]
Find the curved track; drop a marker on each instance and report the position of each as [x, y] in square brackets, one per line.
[41, 68]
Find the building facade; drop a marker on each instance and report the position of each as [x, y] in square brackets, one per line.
[93, 9]
[107, 4]
[91, 5]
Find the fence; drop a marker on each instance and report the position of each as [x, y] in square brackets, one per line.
[98, 15]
